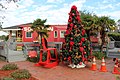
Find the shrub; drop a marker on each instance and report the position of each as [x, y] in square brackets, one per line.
[35, 59]
[99, 55]
[21, 74]
[8, 78]
[115, 36]
[9, 66]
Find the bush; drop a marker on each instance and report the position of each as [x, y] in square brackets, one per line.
[8, 78]
[35, 59]
[115, 36]
[99, 55]
[21, 74]
[9, 66]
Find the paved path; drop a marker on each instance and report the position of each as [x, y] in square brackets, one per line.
[62, 72]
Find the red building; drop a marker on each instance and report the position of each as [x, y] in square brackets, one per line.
[23, 31]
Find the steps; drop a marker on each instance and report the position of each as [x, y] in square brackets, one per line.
[114, 53]
[14, 56]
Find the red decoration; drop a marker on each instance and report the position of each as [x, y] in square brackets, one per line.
[83, 59]
[78, 18]
[67, 32]
[71, 24]
[84, 46]
[69, 58]
[71, 43]
[82, 39]
[70, 49]
[64, 58]
[83, 32]
[80, 43]
[81, 49]
[74, 7]
[69, 13]
[71, 38]
[80, 63]
[84, 52]
[70, 19]
[73, 14]
[75, 26]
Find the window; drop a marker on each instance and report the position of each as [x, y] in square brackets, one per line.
[55, 34]
[28, 34]
[62, 34]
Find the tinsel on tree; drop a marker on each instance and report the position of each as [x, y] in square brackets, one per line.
[76, 48]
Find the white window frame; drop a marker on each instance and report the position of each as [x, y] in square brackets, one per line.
[28, 37]
[61, 34]
[54, 34]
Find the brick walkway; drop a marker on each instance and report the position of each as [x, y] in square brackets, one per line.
[62, 72]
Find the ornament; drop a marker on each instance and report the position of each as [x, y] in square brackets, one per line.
[65, 58]
[83, 32]
[83, 59]
[80, 63]
[69, 20]
[73, 14]
[69, 13]
[80, 43]
[71, 38]
[70, 50]
[84, 46]
[84, 52]
[71, 43]
[75, 26]
[69, 58]
[81, 49]
[71, 24]
[78, 18]
[82, 39]
[67, 32]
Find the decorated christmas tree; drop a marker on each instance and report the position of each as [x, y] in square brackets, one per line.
[76, 48]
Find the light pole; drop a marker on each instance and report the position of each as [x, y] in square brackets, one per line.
[1, 25]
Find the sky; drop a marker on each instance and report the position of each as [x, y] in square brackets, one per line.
[56, 11]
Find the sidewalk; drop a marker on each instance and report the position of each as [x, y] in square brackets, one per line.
[62, 72]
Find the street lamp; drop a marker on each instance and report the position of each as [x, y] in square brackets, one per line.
[1, 25]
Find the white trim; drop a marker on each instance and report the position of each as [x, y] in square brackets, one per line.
[10, 29]
[60, 34]
[26, 35]
[54, 34]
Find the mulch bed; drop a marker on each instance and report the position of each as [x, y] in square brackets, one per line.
[7, 73]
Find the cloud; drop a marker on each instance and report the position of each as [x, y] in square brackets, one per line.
[108, 1]
[45, 8]
[109, 6]
[113, 15]
[55, 1]
[78, 3]
[53, 13]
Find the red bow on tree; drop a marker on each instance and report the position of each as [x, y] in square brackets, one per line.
[74, 7]
[71, 43]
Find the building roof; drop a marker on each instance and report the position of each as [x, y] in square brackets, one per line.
[16, 27]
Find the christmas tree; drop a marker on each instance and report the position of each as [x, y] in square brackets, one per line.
[76, 48]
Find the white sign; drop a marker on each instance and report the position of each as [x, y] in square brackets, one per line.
[27, 29]
[50, 28]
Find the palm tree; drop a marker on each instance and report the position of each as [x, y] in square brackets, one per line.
[105, 24]
[39, 26]
[90, 22]
[94, 24]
